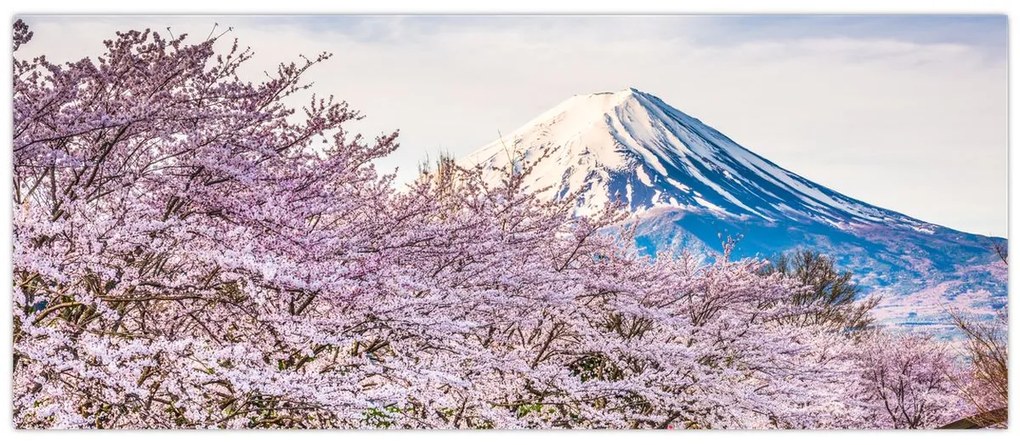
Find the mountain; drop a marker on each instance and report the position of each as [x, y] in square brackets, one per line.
[688, 185]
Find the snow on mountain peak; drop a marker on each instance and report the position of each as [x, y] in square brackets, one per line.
[689, 185]
[631, 146]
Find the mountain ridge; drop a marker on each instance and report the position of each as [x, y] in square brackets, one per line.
[687, 184]
[668, 150]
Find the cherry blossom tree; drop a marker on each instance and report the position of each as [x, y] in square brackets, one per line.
[170, 216]
[910, 381]
[193, 252]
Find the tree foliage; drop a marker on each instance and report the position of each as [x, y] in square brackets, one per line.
[827, 296]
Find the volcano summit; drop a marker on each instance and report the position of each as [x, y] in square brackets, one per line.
[687, 184]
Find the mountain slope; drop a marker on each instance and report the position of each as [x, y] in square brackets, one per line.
[688, 184]
[632, 146]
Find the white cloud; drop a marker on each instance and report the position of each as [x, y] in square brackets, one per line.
[920, 128]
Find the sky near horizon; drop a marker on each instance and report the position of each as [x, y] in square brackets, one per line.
[904, 112]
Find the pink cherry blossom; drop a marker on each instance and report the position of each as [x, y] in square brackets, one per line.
[190, 252]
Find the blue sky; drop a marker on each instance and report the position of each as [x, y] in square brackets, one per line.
[905, 112]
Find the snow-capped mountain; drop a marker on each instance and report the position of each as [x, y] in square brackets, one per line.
[630, 145]
[688, 184]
